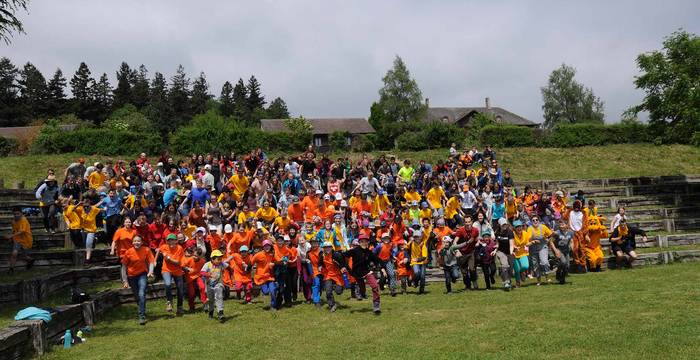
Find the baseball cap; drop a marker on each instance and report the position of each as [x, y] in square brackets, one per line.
[319, 192]
[502, 221]
[216, 253]
[228, 228]
[201, 229]
[171, 237]
[517, 223]
[243, 248]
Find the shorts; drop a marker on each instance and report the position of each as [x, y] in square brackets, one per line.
[625, 248]
[18, 248]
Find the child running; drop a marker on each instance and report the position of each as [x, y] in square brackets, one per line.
[213, 273]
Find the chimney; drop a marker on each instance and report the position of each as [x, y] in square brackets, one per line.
[488, 104]
[427, 102]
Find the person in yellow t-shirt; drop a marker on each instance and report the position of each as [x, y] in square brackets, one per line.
[436, 196]
[244, 215]
[88, 214]
[540, 236]
[418, 249]
[239, 184]
[453, 212]
[267, 213]
[411, 194]
[521, 241]
[380, 204]
[97, 178]
[425, 212]
[21, 239]
[74, 222]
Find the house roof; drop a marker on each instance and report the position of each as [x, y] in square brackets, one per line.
[323, 125]
[454, 114]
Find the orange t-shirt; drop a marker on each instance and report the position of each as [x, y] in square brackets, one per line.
[123, 237]
[137, 261]
[237, 264]
[401, 268]
[296, 212]
[263, 262]
[441, 233]
[310, 204]
[330, 270]
[314, 257]
[195, 267]
[176, 254]
[293, 254]
[385, 252]
[280, 252]
[214, 241]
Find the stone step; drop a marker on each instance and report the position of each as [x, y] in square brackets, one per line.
[59, 258]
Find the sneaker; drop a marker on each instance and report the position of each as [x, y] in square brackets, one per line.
[221, 316]
[333, 308]
[142, 320]
[211, 314]
[168, 306]
[205, 307]
[393, 294]
[179, 312]
[377, 312]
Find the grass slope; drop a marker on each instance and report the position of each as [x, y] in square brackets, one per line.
[648, 312]
[525, 163]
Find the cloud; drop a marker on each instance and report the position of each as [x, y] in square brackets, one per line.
[327, 58]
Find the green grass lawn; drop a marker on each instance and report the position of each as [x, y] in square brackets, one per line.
[649, 312]
[588, 162]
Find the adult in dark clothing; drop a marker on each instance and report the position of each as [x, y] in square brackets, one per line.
[622, 241]
[465, 241]
[47, 194]
[362, 260]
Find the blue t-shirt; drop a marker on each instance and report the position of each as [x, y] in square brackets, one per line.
[169, 196]
[112, 206]
[498, 210]
[199, 194]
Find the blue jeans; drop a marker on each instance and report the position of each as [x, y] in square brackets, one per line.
[270, 288]
[452, 273]
[419, 276]
[389, 266]
[168, 280]
[316, 290]
[138, 287]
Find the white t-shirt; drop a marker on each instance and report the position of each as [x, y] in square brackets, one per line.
[576, 220]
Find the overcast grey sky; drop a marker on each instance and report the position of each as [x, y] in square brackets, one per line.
[327, 58]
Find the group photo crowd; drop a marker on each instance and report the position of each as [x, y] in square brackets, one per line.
[218, 226]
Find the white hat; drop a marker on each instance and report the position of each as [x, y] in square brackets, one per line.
[338, 196]
[343, 203]
[159, 164]
[228, 228]
[319, 192]
[417, 233]
[446, 238]
[201, 229]
[212, 228]
[560, 193]
[502, 221]
[259, 225]
[207, 167]
[326, 197]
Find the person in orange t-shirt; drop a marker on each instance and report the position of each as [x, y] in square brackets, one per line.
[403, 271]
[292, 269]
[314, 257]
[192, 264]
[385, 251]
[263, 267]
[122, 241]
[241, 264]
[214, 239]
[282, 257]
[172, 272]
[296, 211]
[139, 263]
[332, 268]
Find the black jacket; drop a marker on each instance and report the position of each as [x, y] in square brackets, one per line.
[362, 260]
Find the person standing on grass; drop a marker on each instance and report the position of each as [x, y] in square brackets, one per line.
[241, 265]
[504, 252]
[139, 263]
[539, 250]
[282, 256]
[332, 268]
[362, 258]
[578, 222]
[561, 247]
[113, 207]
[418, 250]
[192, 264]
[121, 242]
[465, 240]
[622, 242]
[449, 263]
[212, 273]
[172, 272]
[386, 252]
[521, 243]
[263, 273]
[21, 238]
[47, 194]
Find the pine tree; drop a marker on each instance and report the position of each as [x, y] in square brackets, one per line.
[123, 92]
[255, 98]
[82, 96]
[103, 99]
[9, 96]
[200, 95]
[278, 109]
[178, 97]
[33, 91]
[56, 97]
[226, 100]
[140, 88]
[400, 98]
[158, 109]
[240, 102]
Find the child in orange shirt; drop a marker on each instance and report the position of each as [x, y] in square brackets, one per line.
[332, 268]
[292, 269]
[263, 276]
[192, 264]
[282, 257]
[241, 265]
[172, 272]
[403, 271]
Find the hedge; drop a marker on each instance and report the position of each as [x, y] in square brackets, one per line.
[204, 139]
[95, 141]
[565, 135]
[507, 136]
[430, 136]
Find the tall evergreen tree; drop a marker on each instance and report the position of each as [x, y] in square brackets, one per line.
[200, 95]
[255, 98]
[140, 88]
[56, 97]
[103, 98]
[158, 109]
[400, 98]
[123, 92]
[178, 97]
[9, 96]
[277, 109]
[82, 96]
[33, 91]
[226, 100]
[240, 102]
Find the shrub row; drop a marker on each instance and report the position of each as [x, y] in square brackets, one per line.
[565, 135]
[95, 141]
[430, 136]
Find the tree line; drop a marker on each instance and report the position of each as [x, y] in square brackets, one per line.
[26, 96]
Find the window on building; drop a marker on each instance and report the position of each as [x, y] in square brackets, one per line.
[317, 141]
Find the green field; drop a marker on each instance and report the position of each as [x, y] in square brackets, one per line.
[525, 163]
[650, 312]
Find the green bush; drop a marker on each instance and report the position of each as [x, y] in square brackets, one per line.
[366, 143]
[440, 135]
[387, 135]
[507, 136]
[52, 140]
[411, 141]
[696, 138]
[595, 134]
[128, 118]
[8, 146]
[338, 140]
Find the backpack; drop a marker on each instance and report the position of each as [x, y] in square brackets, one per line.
[78, 296]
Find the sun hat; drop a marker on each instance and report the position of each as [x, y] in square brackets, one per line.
[216, 253]
[267, 243]
[243, 248]
[201, 229]
[228, 228]
[327, 244]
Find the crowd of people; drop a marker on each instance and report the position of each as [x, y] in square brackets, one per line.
[215, 225]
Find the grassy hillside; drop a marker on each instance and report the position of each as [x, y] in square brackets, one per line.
[525, 163]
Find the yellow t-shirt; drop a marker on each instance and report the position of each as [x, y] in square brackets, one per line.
[88, 223]
[25, 239]
[72, 218]
[451, 208]
[418, 251]
[267, 214]
[381, 202]
[244, 216]
[535, 231]
[519, 242]
[283, 222]
[96, 179]
[240, 186]
[411, 196]
[435, 196]
[426, 214]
